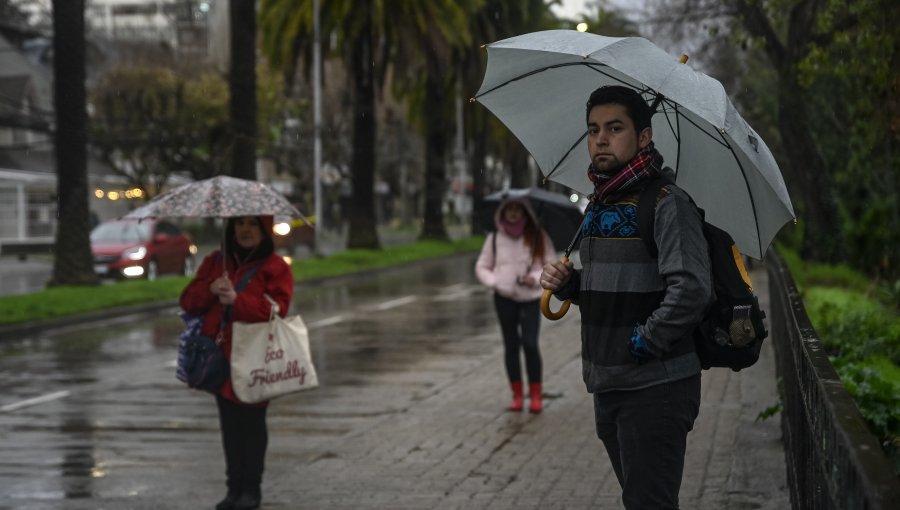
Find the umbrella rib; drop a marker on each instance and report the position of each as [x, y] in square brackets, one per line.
[591, 65]
[665, 100]
[749, 192]
[702, 129]
[677, 138]
[566, 155]
[526, 75]
[595, 66]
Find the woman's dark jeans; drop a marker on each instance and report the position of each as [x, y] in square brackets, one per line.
[645, 433]
[244, 439]
[520, 324]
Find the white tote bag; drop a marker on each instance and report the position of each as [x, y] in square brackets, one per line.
[271, 359]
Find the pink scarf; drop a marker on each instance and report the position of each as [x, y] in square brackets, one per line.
[513, 230]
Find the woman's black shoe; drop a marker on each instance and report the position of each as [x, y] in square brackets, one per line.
[229, 501]
[249, 500]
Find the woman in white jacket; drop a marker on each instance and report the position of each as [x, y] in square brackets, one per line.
[510, 263]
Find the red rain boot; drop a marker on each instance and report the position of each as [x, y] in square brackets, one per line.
[534, 394]
[518, 400]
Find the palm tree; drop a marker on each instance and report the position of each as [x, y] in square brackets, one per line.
[72, 264]
[242, 83]
[425, 42]
[369, 35]
[287, 28]
[497, 19]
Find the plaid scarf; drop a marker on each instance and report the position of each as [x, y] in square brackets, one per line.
[645, 165]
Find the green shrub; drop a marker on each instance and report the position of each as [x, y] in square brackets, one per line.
[851, 325]
[859, 326]
[807, 274]
[874, 384]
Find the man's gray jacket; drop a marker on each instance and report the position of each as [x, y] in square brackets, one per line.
[621, 287]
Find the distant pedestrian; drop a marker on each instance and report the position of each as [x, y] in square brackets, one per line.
[248, 246]
[637, 311]
[510, 263]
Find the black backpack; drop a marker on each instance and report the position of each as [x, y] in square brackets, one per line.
[732, 330]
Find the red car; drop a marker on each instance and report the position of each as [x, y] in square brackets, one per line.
[148, 248]
[292, 233]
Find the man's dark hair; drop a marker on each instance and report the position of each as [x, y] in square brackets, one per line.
[634, 104]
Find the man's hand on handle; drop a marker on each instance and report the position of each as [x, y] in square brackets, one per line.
[555, 275]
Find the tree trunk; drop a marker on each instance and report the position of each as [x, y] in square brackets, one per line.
[362, 228]
[242, 84]
[818, 210]
[479, 152]
[520, 173]
[72, 264]
[437, 125]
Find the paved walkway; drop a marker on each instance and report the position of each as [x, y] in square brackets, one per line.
[455, 447]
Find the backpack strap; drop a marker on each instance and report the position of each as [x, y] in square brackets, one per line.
[646, 212]
[245, 279]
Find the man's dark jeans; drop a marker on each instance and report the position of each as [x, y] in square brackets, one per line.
[645, 433]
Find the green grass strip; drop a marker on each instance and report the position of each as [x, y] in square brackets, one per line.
[64, 301]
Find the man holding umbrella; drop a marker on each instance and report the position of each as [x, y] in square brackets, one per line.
[638, 312]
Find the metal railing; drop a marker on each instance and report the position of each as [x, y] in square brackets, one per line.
[833, 460]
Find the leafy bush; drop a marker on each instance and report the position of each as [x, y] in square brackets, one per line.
[857, 322]
[852, 326]
[874, 385]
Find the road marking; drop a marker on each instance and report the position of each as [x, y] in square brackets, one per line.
[387, 305]
[34, 401]
[330, 321]
[457, 292]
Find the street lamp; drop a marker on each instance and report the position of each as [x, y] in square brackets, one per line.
[581, 27]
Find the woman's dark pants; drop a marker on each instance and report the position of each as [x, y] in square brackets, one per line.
[520, 324]
[244, 439]
[645, 433]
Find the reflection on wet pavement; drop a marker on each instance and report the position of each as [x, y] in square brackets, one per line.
[129, 435]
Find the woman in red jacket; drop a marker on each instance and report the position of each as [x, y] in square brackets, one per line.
[248, 244]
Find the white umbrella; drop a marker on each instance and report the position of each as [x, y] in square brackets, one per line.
[537, 84]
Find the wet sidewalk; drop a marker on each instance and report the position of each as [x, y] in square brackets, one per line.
[454, 446]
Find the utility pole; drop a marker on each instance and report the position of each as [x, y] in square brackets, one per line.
[463, 208]
[317, 126]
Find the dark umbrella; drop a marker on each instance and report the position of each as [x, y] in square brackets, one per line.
[556, 213]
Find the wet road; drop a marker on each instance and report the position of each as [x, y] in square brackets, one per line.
[410, 414]
[92, 416]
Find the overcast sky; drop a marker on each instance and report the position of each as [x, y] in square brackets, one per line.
[573, 8]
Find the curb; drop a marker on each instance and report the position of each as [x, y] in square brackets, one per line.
[20, 331]
[12, 332]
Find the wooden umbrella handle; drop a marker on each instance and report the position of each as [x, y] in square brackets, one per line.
[545, 302]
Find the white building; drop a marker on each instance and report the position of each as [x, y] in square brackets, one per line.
[180, 24]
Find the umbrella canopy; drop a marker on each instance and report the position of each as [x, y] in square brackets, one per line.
[537, 84]
[218, 197]
[555, 212]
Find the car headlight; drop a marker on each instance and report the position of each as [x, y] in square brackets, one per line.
[136, 253]
[282, 229]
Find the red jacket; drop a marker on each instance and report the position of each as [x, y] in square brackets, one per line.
[274, 277]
